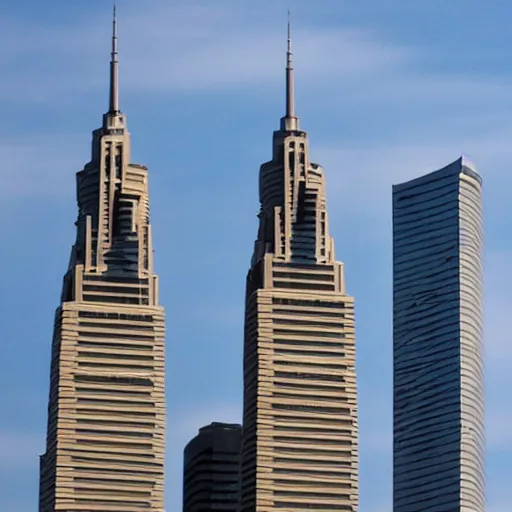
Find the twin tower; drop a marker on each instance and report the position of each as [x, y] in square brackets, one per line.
[299, 449]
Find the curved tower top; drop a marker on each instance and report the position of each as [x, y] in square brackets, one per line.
[438, 341]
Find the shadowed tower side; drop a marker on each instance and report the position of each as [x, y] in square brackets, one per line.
[106, 413]
[299, 441]
[438, 342]
[210, 469]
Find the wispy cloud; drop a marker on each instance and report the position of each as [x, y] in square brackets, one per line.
[241, 56]
[168, 47]
[361, 177]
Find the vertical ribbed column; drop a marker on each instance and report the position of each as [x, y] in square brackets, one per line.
[471, 349]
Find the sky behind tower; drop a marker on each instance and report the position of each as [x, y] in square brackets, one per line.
[386, 91]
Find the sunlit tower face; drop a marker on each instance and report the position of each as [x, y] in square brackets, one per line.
[106, 414]
[299, 441]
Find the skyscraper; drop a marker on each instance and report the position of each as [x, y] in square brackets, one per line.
[211, 469]
[106, 413]
[299, 441]
[438, 369]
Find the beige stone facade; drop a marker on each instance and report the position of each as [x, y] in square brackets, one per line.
[300, 431]
[106, 414]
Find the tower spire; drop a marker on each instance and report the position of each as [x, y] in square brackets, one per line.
[289, 122]
[290, 100]
[114, 69]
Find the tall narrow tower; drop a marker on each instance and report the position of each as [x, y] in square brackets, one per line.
[106, 413]
[438, 338]
[299, 441]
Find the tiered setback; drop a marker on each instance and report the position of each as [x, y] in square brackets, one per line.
[438, 363]
[107, 417]
[300, 431]
[300, 420]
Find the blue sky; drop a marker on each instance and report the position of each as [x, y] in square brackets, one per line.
[386, 90]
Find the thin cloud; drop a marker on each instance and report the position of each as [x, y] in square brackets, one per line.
[168, 48]
[362, 177]
[235, 57]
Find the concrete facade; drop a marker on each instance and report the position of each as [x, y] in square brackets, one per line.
[106, 413]
[438, 342]
[211, 469]
[300, 432]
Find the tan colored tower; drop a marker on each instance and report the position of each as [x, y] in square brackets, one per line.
[299, 442]
[106, 413]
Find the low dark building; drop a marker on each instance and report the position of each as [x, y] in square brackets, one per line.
[211, 466]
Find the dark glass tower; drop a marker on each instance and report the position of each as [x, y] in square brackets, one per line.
[211, 469]
[438, 361]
